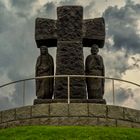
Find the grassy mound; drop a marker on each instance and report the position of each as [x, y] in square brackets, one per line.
[69, 133]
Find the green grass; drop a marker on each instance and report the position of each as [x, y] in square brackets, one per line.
[69, 133]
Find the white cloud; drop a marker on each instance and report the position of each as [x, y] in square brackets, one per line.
[132, 75]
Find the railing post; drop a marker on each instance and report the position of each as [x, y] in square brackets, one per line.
[68, 89]
[113, 90]
[23, 93]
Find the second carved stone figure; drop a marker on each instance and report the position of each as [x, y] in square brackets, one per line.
[95, 66]
[44, 67]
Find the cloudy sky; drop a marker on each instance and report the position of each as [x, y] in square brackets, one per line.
[18, 51]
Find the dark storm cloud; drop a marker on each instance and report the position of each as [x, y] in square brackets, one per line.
[123, 94]
[122, 26]
[5, 18]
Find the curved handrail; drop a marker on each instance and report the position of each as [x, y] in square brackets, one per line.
[68, 82]
[65, 76]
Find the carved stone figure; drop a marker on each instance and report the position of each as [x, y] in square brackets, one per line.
[44, 67]
[95, 66]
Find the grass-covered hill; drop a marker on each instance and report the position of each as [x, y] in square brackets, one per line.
[69, 133]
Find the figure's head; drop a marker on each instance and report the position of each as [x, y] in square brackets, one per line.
[94, 49]
[43, 50]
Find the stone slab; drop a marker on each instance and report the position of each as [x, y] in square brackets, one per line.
[78, 109]
[59, 109]
[83, 121]
[35, 121]
[13, 124]
[23, 112]
[3, 125]
[45, 121]
[111, 122]
[73, 121]
[54, 121]
[135, 125]
[69, 23]
[97, 110]
[8, 115]
[61, 121]
[41, 110]
[93, 121]
[121, 123]
[106, 122]
[25, 122]
[65, 121]
[115, 112]
[131, 115]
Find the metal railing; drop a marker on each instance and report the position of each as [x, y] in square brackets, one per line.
[68, 83]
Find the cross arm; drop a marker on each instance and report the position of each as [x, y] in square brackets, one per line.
[45, 32]
[94, 32]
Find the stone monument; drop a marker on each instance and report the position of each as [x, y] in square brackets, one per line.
[70, 33]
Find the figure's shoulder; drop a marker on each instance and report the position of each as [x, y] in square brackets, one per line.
[38, 58]
[100, 56]
[89, 57]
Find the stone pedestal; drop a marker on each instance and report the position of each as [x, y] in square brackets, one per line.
[46, 101]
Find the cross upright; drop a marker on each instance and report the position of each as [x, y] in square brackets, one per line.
[70, 33]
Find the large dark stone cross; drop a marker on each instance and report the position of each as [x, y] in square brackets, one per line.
[70, 33]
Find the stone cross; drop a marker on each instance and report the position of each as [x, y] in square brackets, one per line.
[70, 33]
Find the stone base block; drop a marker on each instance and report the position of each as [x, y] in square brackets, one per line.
[46, 101]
